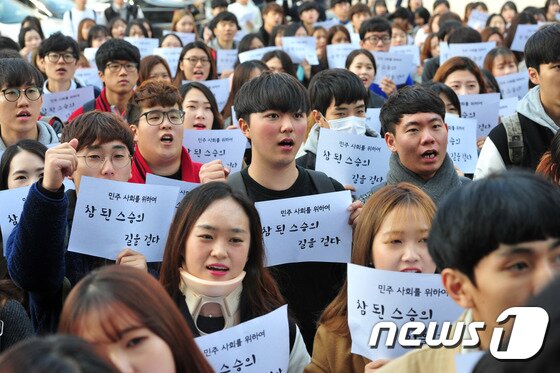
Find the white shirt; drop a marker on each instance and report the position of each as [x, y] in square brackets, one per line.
[245, 13]
[72, 18]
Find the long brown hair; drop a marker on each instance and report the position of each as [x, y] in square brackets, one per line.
[374, 212]
[116, 293]
[459, 64]
[260, 293]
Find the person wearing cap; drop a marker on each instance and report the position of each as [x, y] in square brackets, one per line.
[224, 27]
[248, 14]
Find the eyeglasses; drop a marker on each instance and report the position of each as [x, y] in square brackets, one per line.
[67, 57]
[12, 94]
[386, 39]
[95, 160]
[115, 67]
[155, 117]
[195, 60]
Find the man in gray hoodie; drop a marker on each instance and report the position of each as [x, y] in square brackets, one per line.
[538, 113]
[20, 104]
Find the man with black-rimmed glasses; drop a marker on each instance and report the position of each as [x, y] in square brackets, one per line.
[20, 104]
[117, 62]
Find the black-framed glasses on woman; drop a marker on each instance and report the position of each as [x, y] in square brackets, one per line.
[12, 94]
[155, 117]
[195, 60]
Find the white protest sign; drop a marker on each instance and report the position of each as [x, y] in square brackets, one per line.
[220, 88]
[307, 229]
[355, 39]
[443, 51]
[90, 76]
[461, 142]
[225, 59]
[351, 159]
[146, 46]
[394, 66]
[337, 54]
[11, 206]
[375, 296]
[63, 104]
[484, 108]
[372, 119]
[255, 54]
[184, 186]
[171, 56]
[514, 85]
[301, 48]
[112, 215]
[208, 145]
[508, 106]
[411, 49]
[522, 34]
[477, 19]
[475, 51]
[327, 24]
[465, 363]
[247, 346]
[186, 37]
[89, 54]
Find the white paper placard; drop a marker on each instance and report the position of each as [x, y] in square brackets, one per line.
[375, 296]
[186, 37]
[89, 54]
[112, 215]
[90, 76]
[171, 56]
[246, 347]
[337, 54]
[255, 54]
[484, 108]
[351, 159]
[63, 104]
[411, 49]
[508, 106]
[465, 363]
[461, 142]
[301, 48]
[226, 59]
[220, 88]
[146, 46]
[395, 66]
[307, 229]
[522, 34]
[477, 19]
[184, 186]
[475, 51]
[514, 85]
[372, 119]
[11, 206]
[208, 145]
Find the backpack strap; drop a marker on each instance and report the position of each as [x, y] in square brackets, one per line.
[236, 183]
[514, 134]
[322, 182]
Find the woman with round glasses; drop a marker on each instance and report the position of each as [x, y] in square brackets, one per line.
[20, 104]
[157, 124]
[195, 63]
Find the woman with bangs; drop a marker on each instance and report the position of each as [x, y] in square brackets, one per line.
[391, 235]
[200, 107]
[127, 313]
[196, 62]
[213, 266]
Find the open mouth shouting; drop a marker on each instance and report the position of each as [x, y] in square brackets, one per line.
[287, 144]
[166, 139]
[198, 74]
[23, 115]
[430, 154]
[217, 269]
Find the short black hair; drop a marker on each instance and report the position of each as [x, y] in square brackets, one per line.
[271, 91]
[140, 24]
[463, 35]
[439, 88]
[223, 17]
[58, 42]
[375, 24]
[292, 28]
[95, 31]
[16, 72]
[8, 43]
[244, 44]
[506, 208]
[340, 85]
[439, 2]
[423, 13]
[308, 5]
[543, 46]
[219, 4]
[9, 53]
[114, 50]
[409, 100]
[285, 60]
[334, 2]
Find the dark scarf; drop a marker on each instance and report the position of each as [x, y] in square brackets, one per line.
[444, 181]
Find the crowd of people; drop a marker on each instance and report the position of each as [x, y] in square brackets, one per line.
[493, 236]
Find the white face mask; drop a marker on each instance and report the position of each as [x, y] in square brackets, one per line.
[353, 125]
